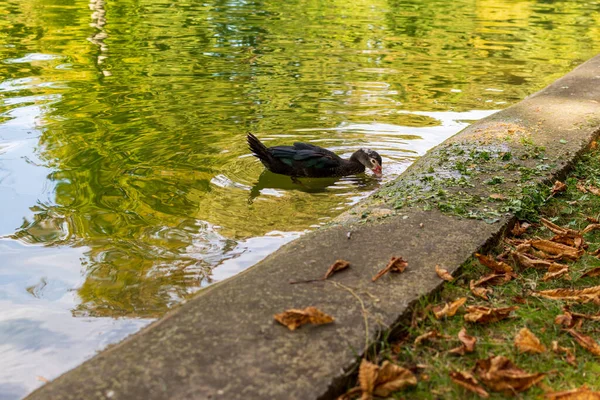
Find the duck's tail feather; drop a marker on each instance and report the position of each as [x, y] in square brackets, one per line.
[257, 148]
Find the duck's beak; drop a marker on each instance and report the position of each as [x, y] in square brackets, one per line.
[377, 170]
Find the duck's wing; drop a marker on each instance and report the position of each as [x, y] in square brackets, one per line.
[305, 155]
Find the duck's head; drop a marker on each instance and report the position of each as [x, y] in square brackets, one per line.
[370, 159]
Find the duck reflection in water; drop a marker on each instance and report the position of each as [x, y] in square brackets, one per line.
[269, 180]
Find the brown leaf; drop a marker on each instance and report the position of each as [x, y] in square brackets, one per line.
[479, 291]
[565, 319]
[558, 249]
[527, 342]
[558, 187]
[519, 228]
[486, 315]
[501, 375]
[443, 273]
[590, 227]
[593, 317]
[529, 261]
[582, 393]
[559, 230]
[593, 190]
[570, 357]
[586, 342]
[396, 264]
[448, 309]
[496, 266]
[367, 375]
[335, 267]
[293, 319]
[381, 381]
[576, 242]
[592, 220]
[591, 273]
[469, 382]
[493, 279]
[425, 336]
[468, 343]
[392, 378]
[581, 187]
[580, 295]
[556, 271]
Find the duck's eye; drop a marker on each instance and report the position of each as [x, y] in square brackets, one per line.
[373, 161]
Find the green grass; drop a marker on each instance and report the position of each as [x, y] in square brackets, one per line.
[570, 209]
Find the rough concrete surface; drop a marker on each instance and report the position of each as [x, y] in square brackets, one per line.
[225, 344]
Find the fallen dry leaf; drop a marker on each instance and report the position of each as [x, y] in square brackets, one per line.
[468, 343]
[493, 279]
[479, 291]
[528, 261]
[425, 336]
[580, 295]
[591, 273]
[582, 393]
[593, 190]
[486, 315]
[590, 227]
[396, 264]
[592, 317]
[469, 382]
[596, 252]
[381, 381]
[570, 357]
[519, 228]
[367, 375]
[42, 379]
[559, 230]
[586, 342]
[293, 319]
[527, 342]
[443, 273]
[448, 309]
[501, 375]
[496, 266]
[581, 187]
[557, 249]
[565, 319]
[555, 271]
[576, 242]
[557, 188]
[392, 378]
[335, 267]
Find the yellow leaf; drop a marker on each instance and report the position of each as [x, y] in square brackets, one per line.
[527, 342]
[449, 309]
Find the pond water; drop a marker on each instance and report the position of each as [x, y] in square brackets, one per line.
[125, 181]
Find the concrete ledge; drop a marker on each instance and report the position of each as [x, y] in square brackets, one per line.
[224, 344]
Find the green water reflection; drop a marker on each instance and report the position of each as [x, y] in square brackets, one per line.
[145, 104]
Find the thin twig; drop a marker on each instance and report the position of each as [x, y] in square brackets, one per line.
[362, 306]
